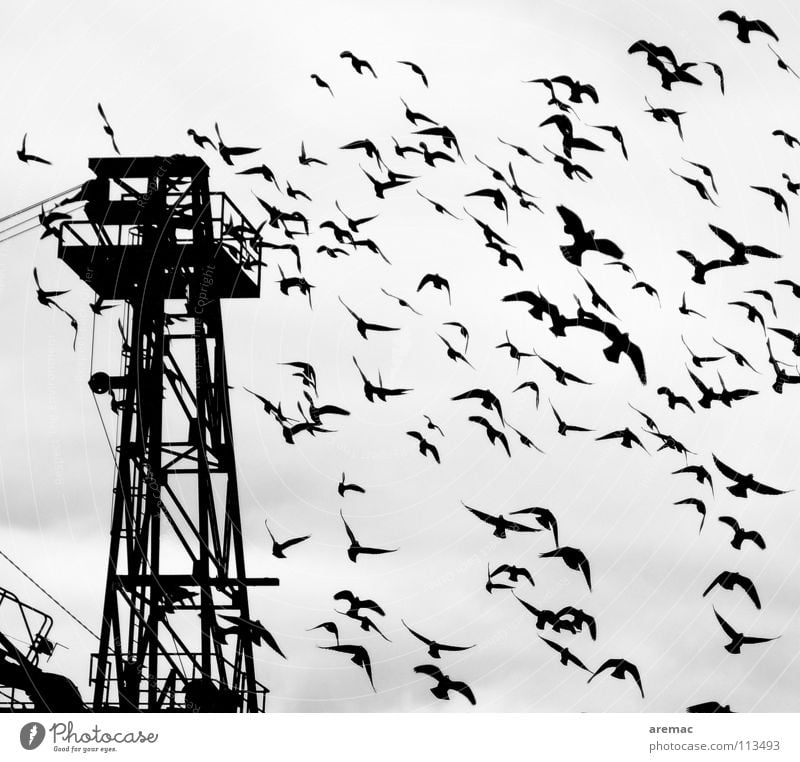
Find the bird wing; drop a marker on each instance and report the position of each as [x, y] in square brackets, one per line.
[425, 640]
[726, 470]
[481, 515]
[431, 670]
[573, 225]
[348, 530]
[608, 247]
[729, 631]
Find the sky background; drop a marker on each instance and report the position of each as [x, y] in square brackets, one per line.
[159, 70]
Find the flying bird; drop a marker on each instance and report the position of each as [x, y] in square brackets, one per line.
[741, 535]
[417, 70]
[745, 27]
[279, 548]
[737, 639]
[359, 64]
[743, 483]
[728, 580]
[435, 648]
[445, 684]
[500, 524]
[107, 128]
[356, 548]
[24, 156]
[573, 558]
[620, 668]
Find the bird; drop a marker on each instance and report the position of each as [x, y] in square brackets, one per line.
[307, 160]
[228, 152]
[766, 295]
[46, 297]
[345, 487]
[698, 361]
[530, 385]
[437, 281]
[709, 707]
[296, 192]
[24, 156]
[402, 302]
[358, 655]
[435, 648]
[717, 69]
[545, 517]
[753, 314]
[320, 82]
[417, 70]
[570, 169]
[425, 447]
[562, 376]
[706, 171]
[577, 89]
[699, 472]
[401, 151]
[565, 655]
[740, 535]
[573, 558]
[495, 195]
[462, 329]
[779, 202]
[415, 116]
[108, 129]
[569, 142]
[673, 399]
[521, 151]
[572, 620]
[664, 114]
[698, 185]
[782, 64]
[264, 171]
[445, 684]
[445, 134]
[737, 639]
[251, 630]
[362, 326]
[354, 224]
[790, 140]
[564, 428]
[514, 572]
[743, 483]
[355, 604]
[330, 627]
[597, 300]
[619, 669]
[431, 157]
[515, 353]
[494, 435]
[486, 397]
[727, 580]
[616, 133]
[501, 525]
[279, 548]
[359, 64]
[200, 140]
[356, 549]
[745, 27]
[686, 310]
[431, 425]
[437, 206]
[381, 186]
[648, 289]
[380, 392]
[453, 353]
[699, 505]
[701, 269]
[491, 585]
[626, 436]
[583, 240]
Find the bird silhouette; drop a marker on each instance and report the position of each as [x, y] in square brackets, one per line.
[500, 524]
[745, 27]
[444, 684]
[356, 548]
[107, 128]
[583, 240]
[727, 580]
[620, 668]
[358, 655]
[435, 648]
[320, 82]
[666, 114]
[566, 657]
[545, 518]
[573, 558]
[425, 447]
[228, 153]
[737, 639]
[24, 156]
[565, 428]
[699, 506]
[279, 548]
[359, 64]
[417, 70]
[741, 535]
[362, 326]
[743, 483]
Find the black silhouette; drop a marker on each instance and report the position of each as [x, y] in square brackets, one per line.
[494, 435]
[544, 517]
[737, 639]
[434, 648]
[356, 549]
[359, 64]
[744, 483]
[358, 655]
[307, 160]
[425, 447]
[583, 240]
[445, 684]
[437, 281]
[279, 548]
[343, 488]
[500, 523]
[24, 156]
[619, 669]
[108, 129]
[699, 505]
[437, 206]
[566, 656]
[745, 26]
[380, 392]
[664, 114]
[740, 535]
[319, 82]
[228, 152]
[573, 558]
[728, 580]
[699, 472]
[563, 428]
[417, 70]
[362, 326]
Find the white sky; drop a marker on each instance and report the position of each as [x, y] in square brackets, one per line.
[159, 70]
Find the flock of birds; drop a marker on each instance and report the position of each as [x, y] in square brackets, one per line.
[430, 144]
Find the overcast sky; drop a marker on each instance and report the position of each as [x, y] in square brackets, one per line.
[160, 69]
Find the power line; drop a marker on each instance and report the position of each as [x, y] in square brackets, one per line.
[37, 585]
[43, 201]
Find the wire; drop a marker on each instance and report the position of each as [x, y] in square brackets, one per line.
[37, 585]
[27, 230]
[43, 201]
